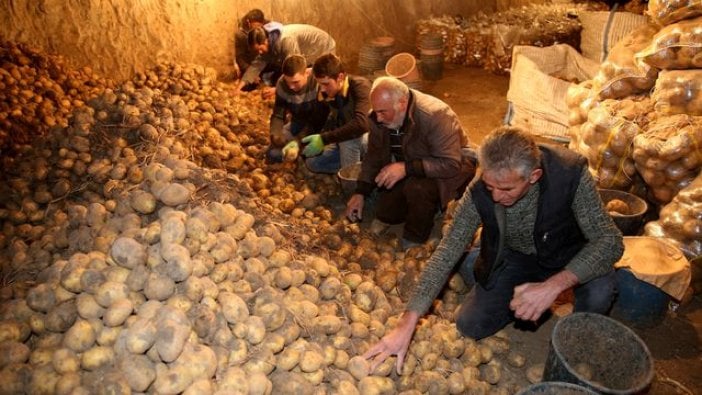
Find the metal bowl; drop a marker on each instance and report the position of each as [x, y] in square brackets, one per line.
[348, 176]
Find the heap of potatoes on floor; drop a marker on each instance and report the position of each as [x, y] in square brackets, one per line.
[147, 248]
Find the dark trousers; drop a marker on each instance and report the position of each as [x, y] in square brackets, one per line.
[485, 312]
[414, 201]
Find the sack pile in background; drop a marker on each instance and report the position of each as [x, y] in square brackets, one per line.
[487, 40]
[639, 123]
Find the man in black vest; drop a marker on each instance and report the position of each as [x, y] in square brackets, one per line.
[545, 230]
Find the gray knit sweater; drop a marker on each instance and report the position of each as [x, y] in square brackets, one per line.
[604, 244]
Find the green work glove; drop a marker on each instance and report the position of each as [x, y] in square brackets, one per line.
[315, 145]
[290, 151]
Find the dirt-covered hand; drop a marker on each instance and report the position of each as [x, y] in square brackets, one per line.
[394, 343]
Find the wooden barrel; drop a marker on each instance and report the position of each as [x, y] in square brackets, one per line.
[431, 55]
[403, 66]
[374, 55]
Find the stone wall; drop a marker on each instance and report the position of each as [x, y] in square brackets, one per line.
[118, 37]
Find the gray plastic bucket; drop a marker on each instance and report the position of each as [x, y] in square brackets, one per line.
[556, 388]
[599, 353]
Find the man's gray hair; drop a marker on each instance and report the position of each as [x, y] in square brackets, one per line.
[393, 87]
[509, 148]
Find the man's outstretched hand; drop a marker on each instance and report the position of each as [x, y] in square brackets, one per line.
[394, 343]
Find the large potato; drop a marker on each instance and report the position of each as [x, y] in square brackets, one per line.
[128, 252]
[138, 370]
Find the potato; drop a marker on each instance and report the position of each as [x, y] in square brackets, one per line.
[491, 372]
[255, 329]
[279, 258]
[65, 361]
[97, 357]
[273, 315]
[171, 336]
[199, 360]
[326, 324]
[535, 373]
[358, 367]
[200, 387]
[128, 252]
[110, 291]
[259, 384]
[80, 337]
[43, 380]
[262, 361]
[171, 380]
[15, 378]
[288, 358]
[173, 194]
[159, 287]
[142, 201]
[178, 264]
[238, 351]
[224, 249]
[41, 298]
[67, 383]
[233, 307]
[91, 279]
[311, 361]
[516, 359]
[138, 371]
[234, 380]
[376, 385]
[87, 307]
[13, 330]
[117, 313]
[13, 352]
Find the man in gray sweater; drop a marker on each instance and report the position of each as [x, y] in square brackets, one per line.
[545, 230]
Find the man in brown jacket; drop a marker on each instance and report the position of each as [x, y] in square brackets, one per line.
[418, 158]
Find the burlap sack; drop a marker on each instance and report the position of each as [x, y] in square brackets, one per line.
[602, 30]
[538, 86]
[657, 261]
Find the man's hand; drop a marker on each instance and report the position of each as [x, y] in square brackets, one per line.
[530, 300]
[315, 145]
[268, 92]
[394, 343]
[390, 175]
[290, 151]
[354, 208]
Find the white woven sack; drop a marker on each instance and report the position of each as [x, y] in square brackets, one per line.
[538, 84]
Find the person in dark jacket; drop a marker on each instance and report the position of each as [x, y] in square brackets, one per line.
[416, 158]
[243, 54]
[345, 133]
[296, 96]
[545, 230]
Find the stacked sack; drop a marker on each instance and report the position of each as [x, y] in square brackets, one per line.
[639, 120]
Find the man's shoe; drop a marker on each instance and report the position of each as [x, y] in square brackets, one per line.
[407, 244]
[378, 227]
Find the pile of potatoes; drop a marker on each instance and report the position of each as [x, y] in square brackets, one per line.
[622, 74]
[606, 139]
[665, 12]
[132, 266]
[668, 156]
[679, 219]
[676, 46]
[38, 92]
[679, 92]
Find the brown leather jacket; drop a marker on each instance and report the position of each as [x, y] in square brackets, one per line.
[434, 146]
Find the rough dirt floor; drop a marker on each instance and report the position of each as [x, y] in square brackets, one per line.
[479, 98]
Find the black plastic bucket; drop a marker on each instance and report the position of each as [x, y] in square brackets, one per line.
[599, 353]
[556, 388]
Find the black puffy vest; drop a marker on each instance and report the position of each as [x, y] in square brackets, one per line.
[557, 235]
